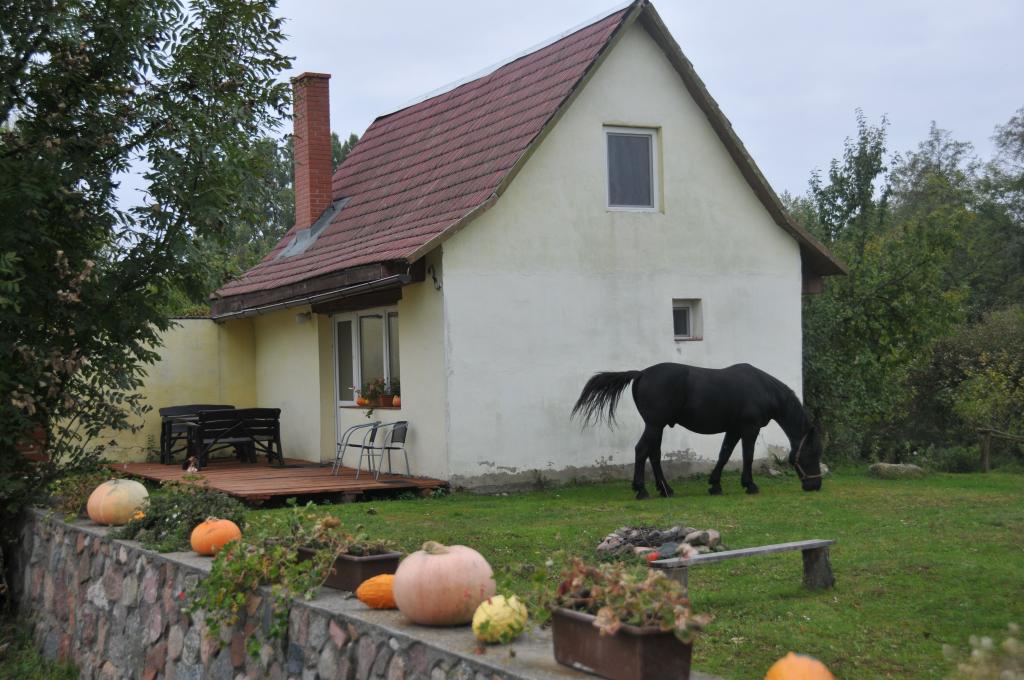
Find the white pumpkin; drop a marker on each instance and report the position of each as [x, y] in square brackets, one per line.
[116, 501]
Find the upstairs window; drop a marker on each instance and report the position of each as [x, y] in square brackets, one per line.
[632, 173]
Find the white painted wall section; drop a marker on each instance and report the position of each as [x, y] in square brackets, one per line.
[548, 286]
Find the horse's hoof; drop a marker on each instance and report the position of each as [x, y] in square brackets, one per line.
[715, 490]
[752, 489]
[642, 494]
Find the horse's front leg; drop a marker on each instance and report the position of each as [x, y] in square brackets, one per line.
[747, 479]
[649, 441]
[728, 444]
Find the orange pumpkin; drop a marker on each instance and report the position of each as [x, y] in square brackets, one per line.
[213, 534]
[396, 400]
[377, 592]
[798, 667]
[116, 501]
[443, 585]
[362, 401]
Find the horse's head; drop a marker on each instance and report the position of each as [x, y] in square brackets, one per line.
[806, 459]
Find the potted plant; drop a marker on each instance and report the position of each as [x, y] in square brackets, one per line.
[350, 558]
[375, 391]
[620, 624]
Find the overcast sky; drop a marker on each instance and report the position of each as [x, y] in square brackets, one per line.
[788, 74]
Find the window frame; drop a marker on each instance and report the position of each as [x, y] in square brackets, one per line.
[357, 350]
[695, 323]
[653, 134]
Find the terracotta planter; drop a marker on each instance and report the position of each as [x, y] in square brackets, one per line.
[351, 570]
[631, 654]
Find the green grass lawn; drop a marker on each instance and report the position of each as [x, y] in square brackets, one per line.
[918, 563]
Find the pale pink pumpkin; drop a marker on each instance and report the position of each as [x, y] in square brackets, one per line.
[116, 501]
[443, 585]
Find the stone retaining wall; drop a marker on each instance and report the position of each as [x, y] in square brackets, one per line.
[114, 609]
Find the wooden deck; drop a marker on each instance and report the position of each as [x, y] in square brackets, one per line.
[259, 482]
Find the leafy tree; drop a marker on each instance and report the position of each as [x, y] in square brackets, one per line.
[244, 244]
[91, 89]
[896, 229]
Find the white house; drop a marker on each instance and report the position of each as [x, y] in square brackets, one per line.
[583, 207]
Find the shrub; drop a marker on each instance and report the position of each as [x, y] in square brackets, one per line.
[70, 493]
[176, 510]
[952, 458]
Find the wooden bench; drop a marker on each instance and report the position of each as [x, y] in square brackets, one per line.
[249, 430]
[817, 568]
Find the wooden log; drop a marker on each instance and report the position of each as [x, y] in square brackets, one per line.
[818, 569]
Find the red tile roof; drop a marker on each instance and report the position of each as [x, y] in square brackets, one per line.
[419, 171]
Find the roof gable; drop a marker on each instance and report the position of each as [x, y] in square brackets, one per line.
[420, 173]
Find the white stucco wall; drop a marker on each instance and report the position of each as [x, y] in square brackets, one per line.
[548, 286]
[421, 355]
[288, 377]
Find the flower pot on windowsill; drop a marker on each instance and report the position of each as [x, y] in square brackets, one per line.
[633, 653]
[351, 570]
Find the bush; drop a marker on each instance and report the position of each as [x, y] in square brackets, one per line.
[70, 493]
[176, 510]
[952, 458]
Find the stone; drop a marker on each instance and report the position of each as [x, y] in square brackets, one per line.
[417, 660]
[108, 671]
[156, 658]
[714, 538]
[80, 544]
[154, 625]
[266, 655]
[317, 632]
[611, 543]
[190, 649]
[696, 538]
[461, 672]
[275, 672]
[396, 669]
[122, 555]
[150, 586]
[380, 664]
[366, 654]
[189, 671]
[113, 583]
[895, 471]
[298, 625]
[129, 590]
[237, 649]
[221, 668]
[338, 635]
[327, 664]
[252, 604]
[438, 672]
[208, 646]
[51, 643]
[96, 595]
[295, 659]
[175, 642]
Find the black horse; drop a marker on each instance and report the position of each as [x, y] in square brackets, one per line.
[738, 400]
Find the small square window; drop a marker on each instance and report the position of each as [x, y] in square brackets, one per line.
[686, 319]
[632, 180]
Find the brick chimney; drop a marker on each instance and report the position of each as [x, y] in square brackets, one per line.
[312, 140]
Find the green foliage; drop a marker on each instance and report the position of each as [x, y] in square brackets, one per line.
[987, 661]
[617, 594]
[71, 490]
[177, 509]
[269, 556]
[19, 658]
[89, 90]
[950, 458]
[972, 378]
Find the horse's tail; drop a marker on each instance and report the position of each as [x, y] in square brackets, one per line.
[601, 395]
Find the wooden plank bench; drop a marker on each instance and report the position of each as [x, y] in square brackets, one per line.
[817, 568]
